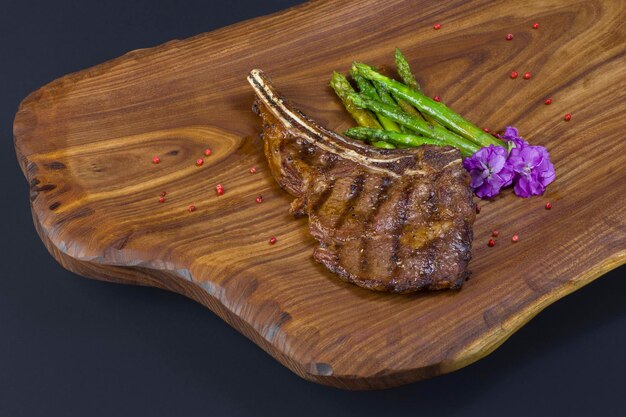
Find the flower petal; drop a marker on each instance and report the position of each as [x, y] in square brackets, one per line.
[489, 171]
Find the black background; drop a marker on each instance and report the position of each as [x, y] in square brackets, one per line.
[76, 347]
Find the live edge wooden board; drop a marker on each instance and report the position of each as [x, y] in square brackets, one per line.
[85, 143]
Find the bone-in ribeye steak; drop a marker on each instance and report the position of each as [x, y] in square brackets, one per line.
[395, 220]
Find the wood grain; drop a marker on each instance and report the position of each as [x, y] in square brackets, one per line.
[85, 143]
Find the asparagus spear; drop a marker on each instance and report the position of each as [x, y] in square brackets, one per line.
[342, 88]
[365, 86]
[399, 139]
[466, 146]
[382, 143]
[378, 92]
[369, 91]
[426, 116]
[384, 95]
[363, 117]
[386, 98]
[407, 108]
[404, 70]
[439, 111]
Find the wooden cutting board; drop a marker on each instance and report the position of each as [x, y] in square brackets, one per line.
[86, 141]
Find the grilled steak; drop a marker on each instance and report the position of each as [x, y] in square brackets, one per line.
[396, 220]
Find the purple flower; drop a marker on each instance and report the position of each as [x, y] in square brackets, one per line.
[533, 170]
[489, 171]
[511, 135]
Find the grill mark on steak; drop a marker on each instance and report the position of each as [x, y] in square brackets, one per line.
[395, 220]
[402, 208]
[380, 197]
[356, 188]
[324, 196]
[433, 214]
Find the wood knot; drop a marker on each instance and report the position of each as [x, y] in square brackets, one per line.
[36, 188]
[56, 165]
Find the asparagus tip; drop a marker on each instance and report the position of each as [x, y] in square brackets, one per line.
[357, 100]
[357, 64]
[338, 80]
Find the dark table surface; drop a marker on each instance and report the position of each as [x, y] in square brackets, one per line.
[70, 346]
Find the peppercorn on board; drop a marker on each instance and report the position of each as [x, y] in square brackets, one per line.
[86, 144]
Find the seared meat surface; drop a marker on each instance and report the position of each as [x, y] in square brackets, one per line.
[396, 220]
